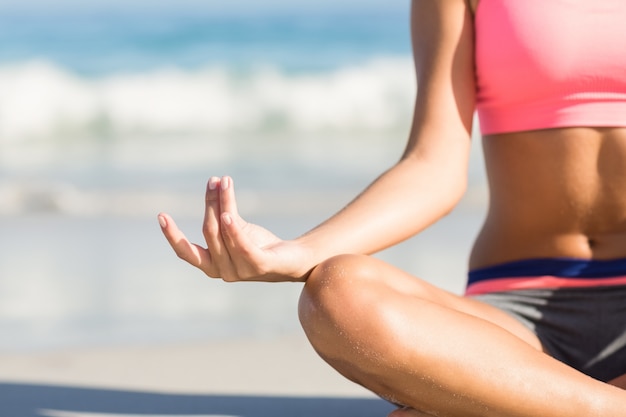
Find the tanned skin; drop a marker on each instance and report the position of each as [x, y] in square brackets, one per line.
[437, 353]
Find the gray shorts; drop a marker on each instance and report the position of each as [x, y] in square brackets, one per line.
[583, 327]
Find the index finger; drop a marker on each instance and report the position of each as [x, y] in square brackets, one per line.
[191, 253]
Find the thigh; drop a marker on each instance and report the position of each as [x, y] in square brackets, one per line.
[418, 345]
[405, 284]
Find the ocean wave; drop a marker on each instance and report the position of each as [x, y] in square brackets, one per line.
[41, 100]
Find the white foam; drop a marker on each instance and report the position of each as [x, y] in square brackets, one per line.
[38, 98]
[41, 100]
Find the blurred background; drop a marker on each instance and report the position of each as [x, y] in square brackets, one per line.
[112, 111]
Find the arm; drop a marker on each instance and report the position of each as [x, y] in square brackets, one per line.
[431, 176]
[421, 188]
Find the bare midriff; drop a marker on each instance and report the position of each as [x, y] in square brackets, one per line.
[554, 193]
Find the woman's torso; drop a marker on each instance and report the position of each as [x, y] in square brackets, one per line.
[555, 192]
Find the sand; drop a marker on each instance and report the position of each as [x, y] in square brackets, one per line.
[254, 378]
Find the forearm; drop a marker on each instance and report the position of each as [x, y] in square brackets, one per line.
[403, 201]
[431, 177]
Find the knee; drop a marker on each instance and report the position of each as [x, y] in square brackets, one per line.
[354, 286]
[335, 285]
[339, 293]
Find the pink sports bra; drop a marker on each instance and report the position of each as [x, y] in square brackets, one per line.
[550, 63]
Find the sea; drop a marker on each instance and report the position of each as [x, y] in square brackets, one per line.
[110, 116]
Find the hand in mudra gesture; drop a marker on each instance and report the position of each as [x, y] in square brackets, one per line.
[235, 249]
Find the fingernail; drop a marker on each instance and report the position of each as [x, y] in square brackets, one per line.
[227, 219]
[212, 183]
[162, 221]
[225, 183]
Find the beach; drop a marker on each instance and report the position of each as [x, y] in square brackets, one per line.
[147, 335]
[111, 115]
[246, 377]
[123, 328]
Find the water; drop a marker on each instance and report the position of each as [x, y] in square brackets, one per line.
[98, 44]
[107, 118]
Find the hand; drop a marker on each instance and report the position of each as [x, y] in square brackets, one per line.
[236, 250]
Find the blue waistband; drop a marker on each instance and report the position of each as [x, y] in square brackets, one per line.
[556, 267]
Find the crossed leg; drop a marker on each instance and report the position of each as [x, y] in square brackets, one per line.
[435, 352]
